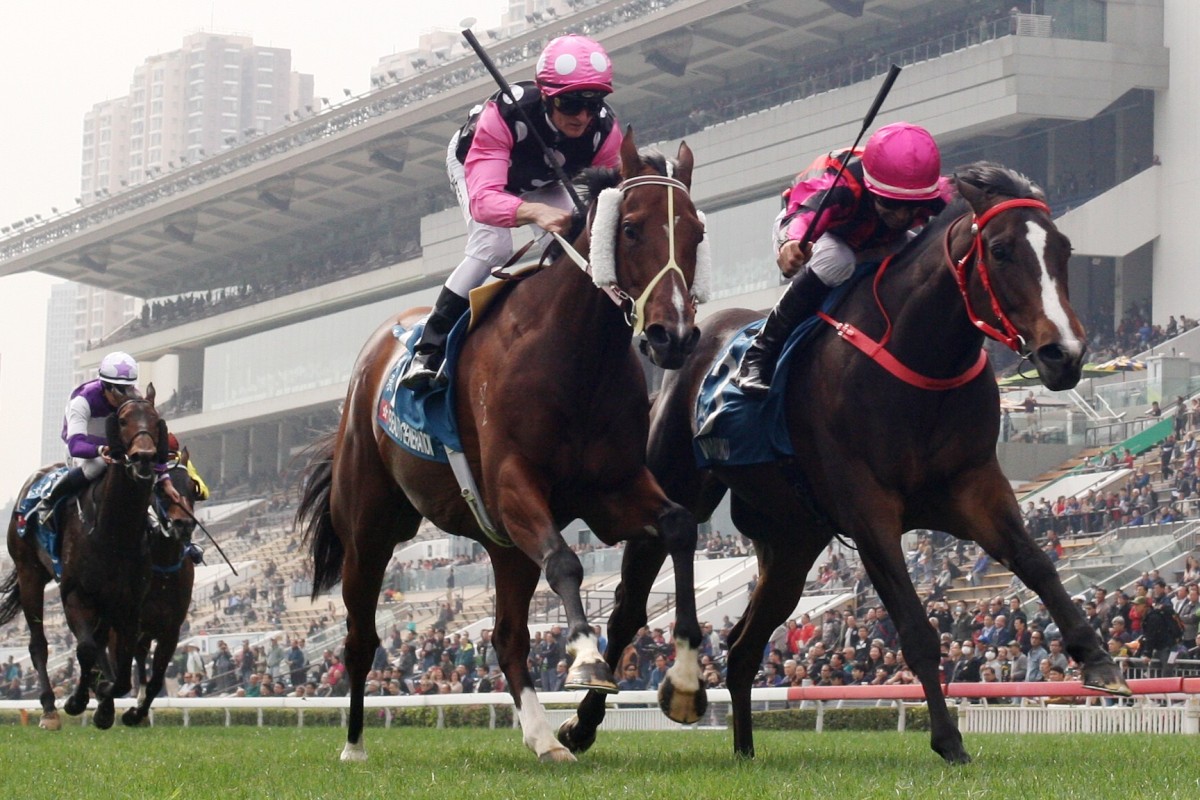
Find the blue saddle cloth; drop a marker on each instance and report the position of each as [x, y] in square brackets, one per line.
[735, 430]
[422, 420]
[43, 525]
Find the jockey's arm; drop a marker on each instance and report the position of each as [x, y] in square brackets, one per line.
[80, 443]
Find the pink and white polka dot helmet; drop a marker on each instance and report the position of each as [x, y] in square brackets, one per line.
[574, 63]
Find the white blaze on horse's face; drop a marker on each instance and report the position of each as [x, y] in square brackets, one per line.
[1052, 304]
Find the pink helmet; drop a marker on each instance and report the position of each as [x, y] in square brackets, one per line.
[902, 162]
[574, 63]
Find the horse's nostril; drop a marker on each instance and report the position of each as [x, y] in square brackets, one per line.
[1052, 353]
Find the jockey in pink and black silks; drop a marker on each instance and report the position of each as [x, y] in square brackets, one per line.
[891, 188]
[83, 428]
[501, 178]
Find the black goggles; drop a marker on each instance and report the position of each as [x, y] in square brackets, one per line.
[891, 204]
[574, 102]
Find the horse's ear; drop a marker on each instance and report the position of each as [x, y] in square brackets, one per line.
[163, 451]
[184, 457]
[631, 162]
[150, 393]
[976, 197]
[683, 164]
[112, 432]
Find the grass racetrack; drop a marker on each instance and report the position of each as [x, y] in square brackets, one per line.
[284, 763]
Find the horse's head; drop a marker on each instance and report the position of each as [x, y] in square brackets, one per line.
[137, 436]
[179, 518]
[647, 248]
[1019, 279]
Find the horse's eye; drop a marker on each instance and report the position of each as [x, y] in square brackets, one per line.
[999, 251]
[629, 231]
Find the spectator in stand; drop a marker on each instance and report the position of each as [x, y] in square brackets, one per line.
[658, 674]
[296, 662]
[1037, 653]
[631, 682]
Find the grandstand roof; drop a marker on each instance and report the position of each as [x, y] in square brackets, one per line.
[185, 230]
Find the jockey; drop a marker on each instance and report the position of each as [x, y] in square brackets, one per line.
[501, 178]
[174, 455]
[84, 425]
[894, 186]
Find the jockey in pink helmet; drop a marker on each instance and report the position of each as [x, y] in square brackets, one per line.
[892, 187]
[502, 180]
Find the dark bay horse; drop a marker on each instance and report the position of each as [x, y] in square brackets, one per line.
[553, 412]
[879, 454]
[106, 565]
[165, 606]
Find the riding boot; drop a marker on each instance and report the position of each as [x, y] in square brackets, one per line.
[801, 300]
[69, 484]
[194, 552]
[431, 350]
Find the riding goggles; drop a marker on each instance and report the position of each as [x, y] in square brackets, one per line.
[571, 103]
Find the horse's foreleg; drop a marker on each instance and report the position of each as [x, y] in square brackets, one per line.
[879, 547]
[992, 517]
[516, 578]
[640, 564]
[149, 684]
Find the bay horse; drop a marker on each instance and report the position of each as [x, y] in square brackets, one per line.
[106, 565]
[876, 454]
[169, 595]
[553, 412]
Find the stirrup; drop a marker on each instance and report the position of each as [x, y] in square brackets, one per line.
[421, 372]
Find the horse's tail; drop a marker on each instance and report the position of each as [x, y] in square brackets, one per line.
[314, 518]
[11, 603]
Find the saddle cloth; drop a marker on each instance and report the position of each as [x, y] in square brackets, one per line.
[735, 430]
[46, 530]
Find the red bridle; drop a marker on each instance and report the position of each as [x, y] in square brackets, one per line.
[1009, 336]
[875, 350]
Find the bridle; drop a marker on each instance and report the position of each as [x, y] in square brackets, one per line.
[132, 466]
[1009, 335]
[603, 267]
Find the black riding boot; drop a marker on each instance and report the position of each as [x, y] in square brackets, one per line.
[74, 481]
[430, 351]
[801, 300]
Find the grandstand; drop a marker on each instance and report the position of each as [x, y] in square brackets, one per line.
[304, 239]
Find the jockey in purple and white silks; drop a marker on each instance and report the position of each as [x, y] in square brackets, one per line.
[893, 187]
[501, 178]
[83, 428]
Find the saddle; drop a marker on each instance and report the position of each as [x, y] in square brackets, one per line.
[42, 523]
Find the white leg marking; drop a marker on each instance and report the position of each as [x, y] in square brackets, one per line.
[585, 649]
[685, 672]
[1051, 304]
[354, 752]
[536, 731]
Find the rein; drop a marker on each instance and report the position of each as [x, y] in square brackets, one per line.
[876, 351]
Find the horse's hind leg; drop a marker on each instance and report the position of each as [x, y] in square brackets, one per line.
[369, 540]
[988, 511]
[640, 565]
[516, 577]
[31, 583]
[149, 685]
[780, 583]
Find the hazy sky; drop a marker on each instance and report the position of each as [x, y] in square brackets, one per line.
[58, 59]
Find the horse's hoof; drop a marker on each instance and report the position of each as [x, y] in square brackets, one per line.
[354, 752]
[50, 722]
[569, 736]
[131, 718]
[683, 707]
[957, 755]
[594, 676]
[105, 716]
[74, 706]
[557, 755]
[1106, 678]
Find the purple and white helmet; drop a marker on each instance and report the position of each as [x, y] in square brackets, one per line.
[119, 368]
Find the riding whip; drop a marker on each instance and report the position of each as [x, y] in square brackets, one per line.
[469, 35]
[893, 73]
[211, 539]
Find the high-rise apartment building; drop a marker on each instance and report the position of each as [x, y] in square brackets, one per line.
[59, 377]
[215, 91]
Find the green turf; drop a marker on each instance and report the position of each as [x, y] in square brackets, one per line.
[282, 763]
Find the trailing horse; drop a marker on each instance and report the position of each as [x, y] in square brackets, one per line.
[553, 413]
[106, 565]
[895, 433]
[165, 607]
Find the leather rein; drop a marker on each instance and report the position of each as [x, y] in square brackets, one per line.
[1008, 336]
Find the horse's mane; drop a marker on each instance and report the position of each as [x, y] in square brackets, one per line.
[988, 177]
[590, 182]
